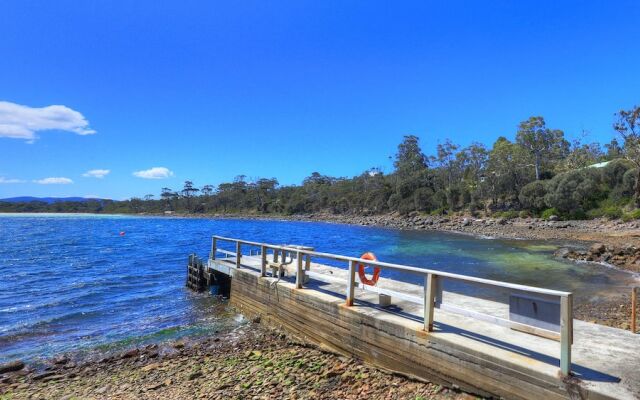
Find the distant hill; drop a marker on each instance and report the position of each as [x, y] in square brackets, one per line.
[48, 200]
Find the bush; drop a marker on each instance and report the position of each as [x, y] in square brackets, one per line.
[613, 212]
[635, 214]
[524, 214]
[507, 214]
[613, 173]
[575, 191]
[549, 212]
[532, 196]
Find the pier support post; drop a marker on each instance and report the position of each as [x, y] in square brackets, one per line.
[263, 262]
[299, 271]
[634, 304]
[430, 284]
[351, 283]
[214, 248]
[566, 333]
[238, 254]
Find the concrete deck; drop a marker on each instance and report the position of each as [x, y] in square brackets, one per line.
[605, 361]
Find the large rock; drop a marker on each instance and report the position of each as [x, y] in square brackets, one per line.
[553, 218]
[11, 366]
[597, 249]
[466, 222]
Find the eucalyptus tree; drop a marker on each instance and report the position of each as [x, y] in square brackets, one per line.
[188, 191]
[508, 170]
[581, 156]
[544, 144]
[411, 173]
[168, 195]
[627, 125]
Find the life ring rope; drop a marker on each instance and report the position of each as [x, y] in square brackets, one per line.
[376, 270]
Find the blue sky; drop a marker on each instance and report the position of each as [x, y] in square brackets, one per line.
[210, 90]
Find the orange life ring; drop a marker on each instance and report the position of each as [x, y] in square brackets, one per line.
[376, 270]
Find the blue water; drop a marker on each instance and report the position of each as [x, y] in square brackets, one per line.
[70, 282]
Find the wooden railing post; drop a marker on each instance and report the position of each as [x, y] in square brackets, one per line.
[634, 304]
[263, 262]
[238, 254]
[566, 333]
[299, 271]
[430, 282]
[276, 252]
[351, 283]
[214, 248]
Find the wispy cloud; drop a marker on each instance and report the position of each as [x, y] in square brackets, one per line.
[53, 181]
[7, 180]
[154, 173]
[96, 173]
[22, 122]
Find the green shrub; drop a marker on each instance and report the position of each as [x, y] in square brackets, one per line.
[635, 214]
[525, 214]
[549, 212]
[613, 212]
[506, 214]
[532, 196]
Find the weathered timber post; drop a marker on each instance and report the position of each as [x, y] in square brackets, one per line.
[263, 262]
[214, 248]
[566, 333]
[276, 252]
[299, 270]
[430, 282]
[351, 283]
[238, 254]
[634, 304]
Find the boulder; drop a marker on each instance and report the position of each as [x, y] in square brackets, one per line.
[562, 252]
[466, 222]
[597, 249]
[11, 366]
[553, 218]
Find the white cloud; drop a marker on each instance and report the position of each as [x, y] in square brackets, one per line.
[7, 180]
[22, 122]
[96, 173]
[154, 173]
[54, 181]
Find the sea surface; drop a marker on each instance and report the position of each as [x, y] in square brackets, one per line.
[85, 282]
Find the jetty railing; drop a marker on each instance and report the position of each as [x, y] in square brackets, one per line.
[432, 295]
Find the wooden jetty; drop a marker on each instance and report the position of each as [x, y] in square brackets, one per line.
[522, 343]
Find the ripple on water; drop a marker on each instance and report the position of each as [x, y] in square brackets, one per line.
[71, 282]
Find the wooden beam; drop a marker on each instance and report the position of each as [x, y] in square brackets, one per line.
[263, 261]
[299, 271]
[430, 282]
[351, 283]
[634, 304]
[566, 333]
[238, 254]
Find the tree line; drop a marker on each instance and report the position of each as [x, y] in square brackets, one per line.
[540, 173]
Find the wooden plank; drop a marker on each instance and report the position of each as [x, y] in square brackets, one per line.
[566, 333]
[238, 254]
[634, 304]
[299, 271]
[430, 288]
[263, 261]
[351, 283]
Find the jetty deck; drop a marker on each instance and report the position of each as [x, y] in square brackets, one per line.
[425, 331]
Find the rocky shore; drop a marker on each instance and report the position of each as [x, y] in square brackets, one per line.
[251, 363]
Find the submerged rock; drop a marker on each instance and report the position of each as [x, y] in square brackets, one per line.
[11, 366]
